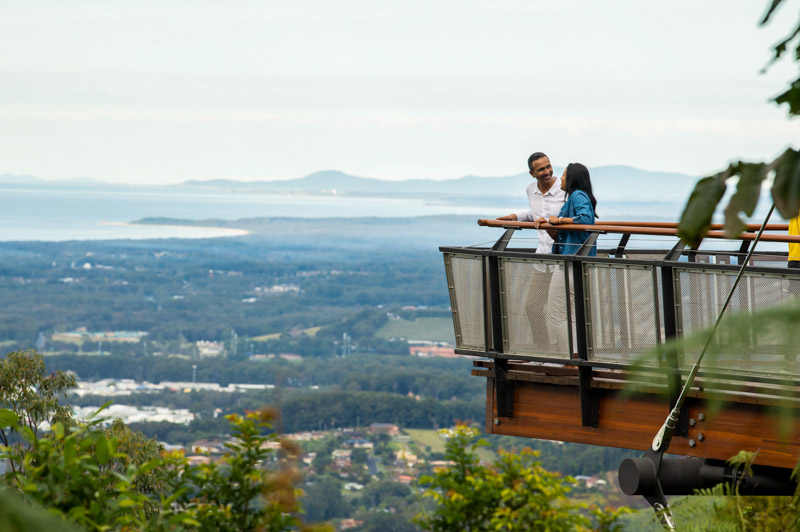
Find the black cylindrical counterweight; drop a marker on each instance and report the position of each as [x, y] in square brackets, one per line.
[682, 476]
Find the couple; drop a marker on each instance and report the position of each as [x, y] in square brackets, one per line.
[570, 203]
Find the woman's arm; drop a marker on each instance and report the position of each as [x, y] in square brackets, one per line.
[582, 207]
[558, 220]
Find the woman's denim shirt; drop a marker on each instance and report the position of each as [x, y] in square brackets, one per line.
[579, 208]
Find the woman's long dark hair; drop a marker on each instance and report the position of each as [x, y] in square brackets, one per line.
[578, 179]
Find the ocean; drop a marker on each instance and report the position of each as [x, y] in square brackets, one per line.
[72, 213]
[60, 213]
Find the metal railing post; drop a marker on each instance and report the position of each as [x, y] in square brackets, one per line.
[504, 389]
[590, 406]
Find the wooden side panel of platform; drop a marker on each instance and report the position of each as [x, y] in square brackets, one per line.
[552, 412]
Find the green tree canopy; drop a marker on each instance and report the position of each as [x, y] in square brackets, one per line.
[515, 493]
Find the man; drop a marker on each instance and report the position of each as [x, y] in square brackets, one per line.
[545, 199]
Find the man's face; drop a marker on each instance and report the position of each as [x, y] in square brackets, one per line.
[541, 169]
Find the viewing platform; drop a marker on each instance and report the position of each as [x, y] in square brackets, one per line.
[574, 348]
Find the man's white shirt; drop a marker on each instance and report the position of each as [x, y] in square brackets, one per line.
[543, 205]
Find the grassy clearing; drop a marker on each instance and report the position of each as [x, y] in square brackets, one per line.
[265, 337]
[426, 437]
[433, 329]
[68, 339]
[311, 331]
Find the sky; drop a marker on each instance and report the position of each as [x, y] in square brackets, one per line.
[156, 92]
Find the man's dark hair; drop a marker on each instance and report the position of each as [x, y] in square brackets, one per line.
[534, 156]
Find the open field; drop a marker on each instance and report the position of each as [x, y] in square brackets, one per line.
[424, 438]
[432, 329]
[265, 337]
[311, 331]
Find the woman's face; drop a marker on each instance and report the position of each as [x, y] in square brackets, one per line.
[564, 180]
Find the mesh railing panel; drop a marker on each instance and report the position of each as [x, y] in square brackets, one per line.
[465, 282]
[749, 347]
[622, 312]
[534, 308]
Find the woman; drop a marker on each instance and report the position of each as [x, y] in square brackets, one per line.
[579, 209]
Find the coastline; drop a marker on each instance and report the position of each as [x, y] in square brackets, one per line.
[58, 231]
[192, 231]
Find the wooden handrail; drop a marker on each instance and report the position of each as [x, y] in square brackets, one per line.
[670, 225]
[637, 229]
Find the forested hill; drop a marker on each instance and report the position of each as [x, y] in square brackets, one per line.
[661, 185]
[608, 181]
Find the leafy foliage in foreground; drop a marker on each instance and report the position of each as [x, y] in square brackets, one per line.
[515, 494]
[790, 96]
[79, 473]
[708, 192]
[746, 335]
[738, 347]
[33, 396]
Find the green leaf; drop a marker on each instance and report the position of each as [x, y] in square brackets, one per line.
[105, 405]
[69, 450]
[101, 449]
[85, 443]
[27, 433]
[184, 519]
[174, 497]
[786, 188]
[58, 430]
[121, 477]
[773, 6]
[790, 96]
[112, 447]
[148, 466]
[696, 216]
[745, 198]
[7, 418]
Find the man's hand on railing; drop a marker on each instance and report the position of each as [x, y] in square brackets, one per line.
[506, 218]
[497, 222]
